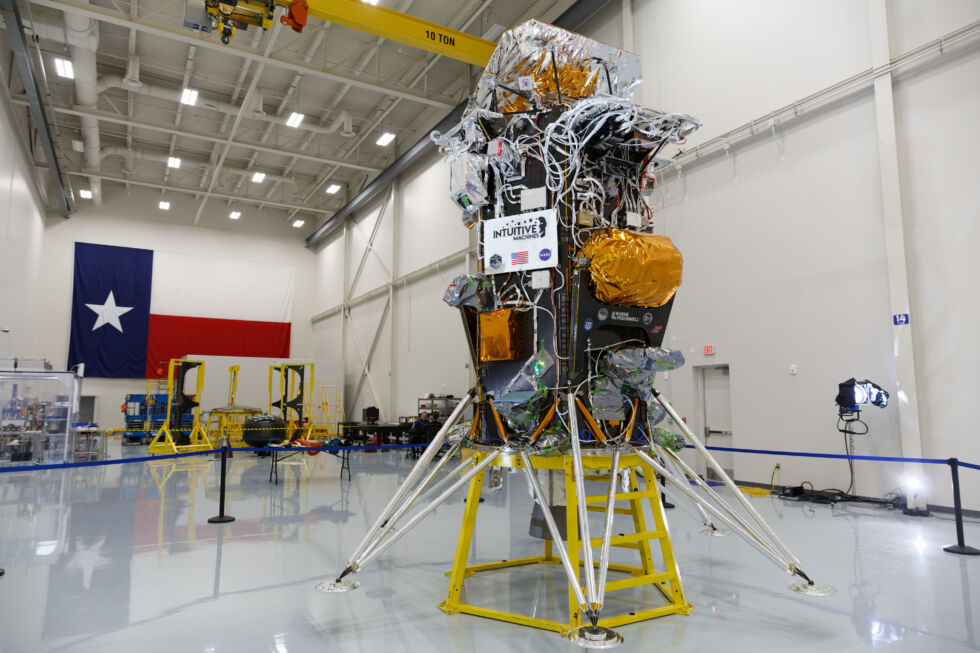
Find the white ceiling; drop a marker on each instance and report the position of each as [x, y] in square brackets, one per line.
[393, 87]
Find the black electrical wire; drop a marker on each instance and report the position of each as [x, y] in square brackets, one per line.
[848, 432]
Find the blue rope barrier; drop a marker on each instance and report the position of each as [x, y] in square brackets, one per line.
[98, 463]
[893, 459]
[335, 449]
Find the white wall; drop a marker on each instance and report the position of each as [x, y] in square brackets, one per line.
[124, 220]
[785, 254]
[21, 233]
[784, 243]
[426, 351]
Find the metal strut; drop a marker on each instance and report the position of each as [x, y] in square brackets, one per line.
[423, 462]
[553, 530]
[724, 477]
[583, 514]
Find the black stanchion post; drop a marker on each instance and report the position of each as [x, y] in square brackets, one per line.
[960, 547]
[221, 517]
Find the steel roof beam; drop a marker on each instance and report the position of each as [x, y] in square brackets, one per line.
[113, 118]
[239, 199]
[25, 67]
[202, 41]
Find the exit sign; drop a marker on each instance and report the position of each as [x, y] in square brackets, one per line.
[709, 349]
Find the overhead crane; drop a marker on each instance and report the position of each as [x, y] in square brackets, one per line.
[227, 16]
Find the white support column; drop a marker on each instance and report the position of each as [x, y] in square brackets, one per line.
[629, 43]
[396, 217]
[348, 407]
[906, 395]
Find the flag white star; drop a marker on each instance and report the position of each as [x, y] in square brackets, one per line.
[109, 313]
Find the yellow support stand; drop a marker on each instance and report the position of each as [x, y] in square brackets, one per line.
[666, 578]
[198, 438]
[229, 421]
[292, 398]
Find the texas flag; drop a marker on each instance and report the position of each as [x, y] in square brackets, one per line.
[135, 308]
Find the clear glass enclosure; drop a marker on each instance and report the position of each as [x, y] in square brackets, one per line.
[37, 410]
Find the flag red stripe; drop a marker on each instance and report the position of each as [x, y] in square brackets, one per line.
[173, 336]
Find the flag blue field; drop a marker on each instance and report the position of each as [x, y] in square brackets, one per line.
[110, 310]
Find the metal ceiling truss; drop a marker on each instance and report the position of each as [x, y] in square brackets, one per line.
[227, 144]
[120, 120]
[189, 37]
[421, 75]
[196, 192]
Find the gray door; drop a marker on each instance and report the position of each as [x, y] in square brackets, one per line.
[717, 404]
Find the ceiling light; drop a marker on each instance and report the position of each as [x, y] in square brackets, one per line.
[299, 223]
[295, 118]
[385, 139]
[333, 189]
[85, 194]
[258, 177]
[189, 96]
[64, 68]
[173, 162]
[234, 215]
[78, 146]
[164, 206]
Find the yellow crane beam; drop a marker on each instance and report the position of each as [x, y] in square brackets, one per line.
[402, 28]
[227, 15]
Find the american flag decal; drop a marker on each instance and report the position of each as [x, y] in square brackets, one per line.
[518, 258]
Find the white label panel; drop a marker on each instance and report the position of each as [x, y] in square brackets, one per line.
[528, 241]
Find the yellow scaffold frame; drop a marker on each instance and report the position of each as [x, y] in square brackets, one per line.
[199, 441]
[667, 580]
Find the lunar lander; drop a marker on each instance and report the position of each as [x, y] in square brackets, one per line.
[565, 322]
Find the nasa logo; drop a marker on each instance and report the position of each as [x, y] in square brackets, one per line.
[545, 254]
[647, 318]
[603, 314]
[496, 261]
[588, 324]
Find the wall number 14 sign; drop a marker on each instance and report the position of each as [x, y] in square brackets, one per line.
[900, 318]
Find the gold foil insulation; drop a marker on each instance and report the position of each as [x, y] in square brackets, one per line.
[500, 338]
[522, 70]
[631, 268]
[576, 80]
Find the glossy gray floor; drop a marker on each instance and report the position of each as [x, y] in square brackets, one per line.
[122, 559]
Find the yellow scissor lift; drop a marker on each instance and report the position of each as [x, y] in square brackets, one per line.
[666, 578]
[291, 395]
[177, 404]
